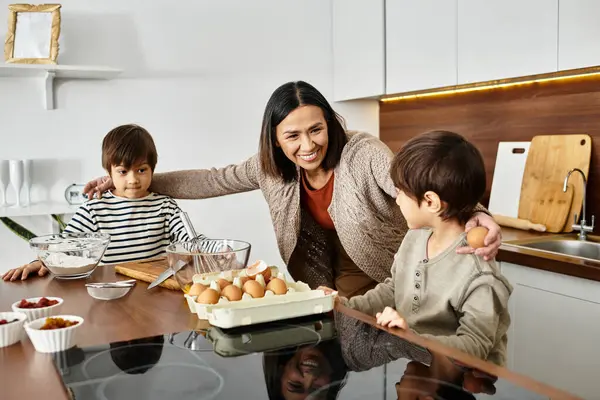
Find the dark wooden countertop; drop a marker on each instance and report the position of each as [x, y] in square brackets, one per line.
[560, 264]
[142, 313]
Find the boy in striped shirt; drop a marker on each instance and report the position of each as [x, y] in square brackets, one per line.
[141, 224]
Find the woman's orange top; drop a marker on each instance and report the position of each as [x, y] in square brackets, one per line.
[317, 201]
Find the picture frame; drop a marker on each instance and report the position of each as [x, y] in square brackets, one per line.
[33, 32]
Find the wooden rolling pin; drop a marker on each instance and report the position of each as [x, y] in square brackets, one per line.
[518, 223]
[144, 276]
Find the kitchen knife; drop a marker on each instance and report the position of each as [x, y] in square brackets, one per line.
[189, 228]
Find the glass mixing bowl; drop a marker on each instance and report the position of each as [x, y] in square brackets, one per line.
[70, 255]
[200, 256]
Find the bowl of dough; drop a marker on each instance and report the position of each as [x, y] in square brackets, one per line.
[70, 255]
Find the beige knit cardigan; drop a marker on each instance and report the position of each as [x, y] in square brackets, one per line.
[363, 209]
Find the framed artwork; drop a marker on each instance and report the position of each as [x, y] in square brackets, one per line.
[33, 32]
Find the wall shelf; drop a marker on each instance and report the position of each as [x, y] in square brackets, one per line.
[42, 208]
[48, 73]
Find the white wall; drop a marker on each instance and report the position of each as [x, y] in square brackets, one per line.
[197, 77]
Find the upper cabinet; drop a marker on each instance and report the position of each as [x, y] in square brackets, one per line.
[506, 38]
[420, 44]
[358, 49]
[578, 34]
[396, 46]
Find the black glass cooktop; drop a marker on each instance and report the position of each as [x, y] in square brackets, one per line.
[297, 359]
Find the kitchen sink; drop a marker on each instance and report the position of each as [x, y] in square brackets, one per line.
[565, 245]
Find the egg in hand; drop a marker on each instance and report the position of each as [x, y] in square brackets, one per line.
[476, 237]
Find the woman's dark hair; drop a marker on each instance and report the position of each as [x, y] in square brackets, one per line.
[285, 99]
[274, 365]
[445, 163]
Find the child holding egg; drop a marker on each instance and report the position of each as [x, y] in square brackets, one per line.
[458, 299]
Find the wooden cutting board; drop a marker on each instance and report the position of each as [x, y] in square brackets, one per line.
[552, 207]
[147, 271]
[550, 158]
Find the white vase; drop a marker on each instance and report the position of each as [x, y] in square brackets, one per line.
[27, 164]
[4, 180]
[16, 178]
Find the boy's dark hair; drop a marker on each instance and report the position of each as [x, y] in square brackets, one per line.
[127, 145]
[283, 101]
[445, 163]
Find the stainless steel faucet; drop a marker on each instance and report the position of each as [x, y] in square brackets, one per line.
[581, 227]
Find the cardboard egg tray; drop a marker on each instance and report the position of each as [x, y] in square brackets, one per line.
[299, 301]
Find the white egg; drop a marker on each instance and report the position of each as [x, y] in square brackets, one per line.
[269, 293]
[260, 279]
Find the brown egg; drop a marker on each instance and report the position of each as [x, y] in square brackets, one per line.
[476, 236]
[254, 289]
[223, 283]
[197, 289]
[232, 293]
[209, 296]
[259, 267]
[277, 286]
[244, 279]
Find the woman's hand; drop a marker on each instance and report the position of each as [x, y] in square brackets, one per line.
[492, 240]
[327, 290]
[391, 318]
[97, 187]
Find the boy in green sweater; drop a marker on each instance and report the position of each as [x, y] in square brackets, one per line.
[458, 299]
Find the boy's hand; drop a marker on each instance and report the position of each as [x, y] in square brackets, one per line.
[391, 318]
[97, 187]
[492, 240]
[24, 271]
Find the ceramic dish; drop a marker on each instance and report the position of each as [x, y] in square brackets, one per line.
[108, 292]
[36, 313]
[12, 332]
[53, 340]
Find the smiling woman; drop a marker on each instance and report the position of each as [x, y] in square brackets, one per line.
[329, 192]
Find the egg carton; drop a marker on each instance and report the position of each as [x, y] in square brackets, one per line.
[299, 301]
[208, 277]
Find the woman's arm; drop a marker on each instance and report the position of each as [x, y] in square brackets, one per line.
[194, 184]
[205, 183]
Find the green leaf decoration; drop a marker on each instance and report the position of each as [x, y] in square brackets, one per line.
[61, 223]
[18, 229]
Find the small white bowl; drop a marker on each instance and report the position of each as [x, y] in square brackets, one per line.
[52, 340]
[36, 313]
[108, 293]
[12, 332]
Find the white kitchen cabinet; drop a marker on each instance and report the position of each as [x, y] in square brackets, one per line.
[555, 329]
[506, 38]
[578, 34]
[420, 44]
[358, 49]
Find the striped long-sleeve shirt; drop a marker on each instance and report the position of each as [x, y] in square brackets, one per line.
[138, 228]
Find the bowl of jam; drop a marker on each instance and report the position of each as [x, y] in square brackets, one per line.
[38, 307]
